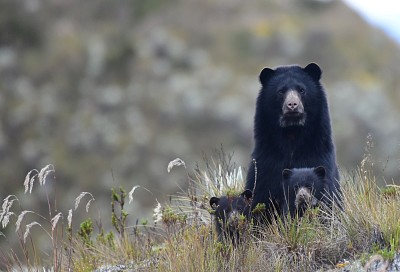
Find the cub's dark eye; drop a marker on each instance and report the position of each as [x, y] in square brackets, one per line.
[281, 92]
[302, 91]
[296, 188]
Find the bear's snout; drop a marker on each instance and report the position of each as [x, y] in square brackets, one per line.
[292, 103]
[293, 113]
[303, 197]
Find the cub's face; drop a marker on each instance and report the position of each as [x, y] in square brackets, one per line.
[229, 209]
[291, 93]
[304, 188]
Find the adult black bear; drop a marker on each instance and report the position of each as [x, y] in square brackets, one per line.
[304, 188]
[292, 129]
[229, 212]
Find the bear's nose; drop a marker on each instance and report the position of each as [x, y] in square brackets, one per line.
[292, 102]
[292, 105]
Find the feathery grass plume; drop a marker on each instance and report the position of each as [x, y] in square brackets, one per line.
[20, 218]
[88, 204]
[176, 162]
[5, 210]
[130, 194]
[6, 219]
[55, 220]
[233, 177]
[42, 175]
[28, 228]
[44, 172]
[69, 218]
[31, 181]
[157, 213]
[5, 207]
[79, 198]
[28, 183]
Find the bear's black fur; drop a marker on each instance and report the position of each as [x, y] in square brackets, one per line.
[304, 188]
[229, 212]
[292, 129]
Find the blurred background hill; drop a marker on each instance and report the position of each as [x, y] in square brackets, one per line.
[110, 91]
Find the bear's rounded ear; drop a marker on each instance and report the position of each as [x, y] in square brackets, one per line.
[214, 202]
[320, 171]
[247, 194]
[265, 75]
[314, 71]
[287, 173]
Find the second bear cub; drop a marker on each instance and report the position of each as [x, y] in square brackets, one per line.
[304, 188]
[231, 215]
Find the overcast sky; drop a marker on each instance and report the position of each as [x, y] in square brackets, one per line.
[382, 13]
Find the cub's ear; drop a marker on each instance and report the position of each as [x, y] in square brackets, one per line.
[266, 75]
[214, 202]
[287, 173]
[314, 71]
[247, 194]
[320, 171]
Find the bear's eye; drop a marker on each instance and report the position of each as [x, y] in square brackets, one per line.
[302, 90]
[281, 92]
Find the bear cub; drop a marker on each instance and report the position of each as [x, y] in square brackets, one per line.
[231, 214]
[304, 188]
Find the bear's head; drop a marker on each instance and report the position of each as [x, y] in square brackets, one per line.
[229, 209]
[291, 94]
[304, 188]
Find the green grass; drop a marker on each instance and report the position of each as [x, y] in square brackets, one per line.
[182, 237]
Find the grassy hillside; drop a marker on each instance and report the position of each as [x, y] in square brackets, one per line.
[365, 233]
